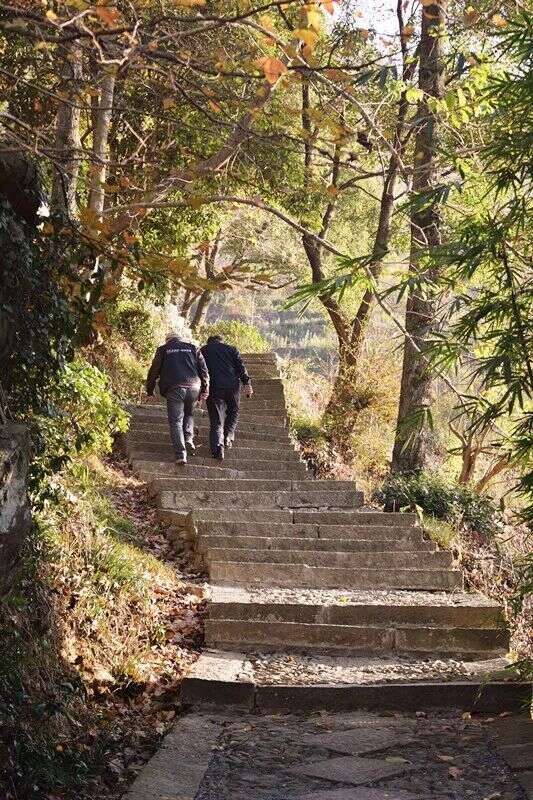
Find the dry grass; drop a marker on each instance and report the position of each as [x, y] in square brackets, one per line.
[101, 629]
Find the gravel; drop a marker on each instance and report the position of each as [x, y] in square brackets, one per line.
[325, 597]
[287, 669]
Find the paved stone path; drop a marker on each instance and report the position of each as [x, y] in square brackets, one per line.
[323, 756]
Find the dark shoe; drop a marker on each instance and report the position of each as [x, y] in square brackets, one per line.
[191, 447]
[228, 443]
[219, 453]
[181, 460]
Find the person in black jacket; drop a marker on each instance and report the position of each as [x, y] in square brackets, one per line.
[226, 373]
[183, 377]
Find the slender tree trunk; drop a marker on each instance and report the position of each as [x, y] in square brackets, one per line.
[188, 302]
[67, 139]
[100, 139]
[413, 432]
[201, 309]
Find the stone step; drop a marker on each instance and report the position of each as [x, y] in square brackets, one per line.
[464, 642]
[274, 684]
[425, 559]
[247, 413]
[356, 518]
[303, 530]
[202, 428]
[345, 607]
[155, 470]
[268, 500]
[245, 464]
[227, 484]
[206, 541]
[302, 575]
[202, 514]
[268, 357]
[158, 416]
[277, 449]
[234, 458]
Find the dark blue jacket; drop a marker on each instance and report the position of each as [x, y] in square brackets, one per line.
[225, 365]
[177, 363]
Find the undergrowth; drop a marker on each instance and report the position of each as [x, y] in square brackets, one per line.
[96, 634]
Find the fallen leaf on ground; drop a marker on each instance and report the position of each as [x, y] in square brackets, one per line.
[454, 772]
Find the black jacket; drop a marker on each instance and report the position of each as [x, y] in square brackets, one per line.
[225, 365]
[177, 363]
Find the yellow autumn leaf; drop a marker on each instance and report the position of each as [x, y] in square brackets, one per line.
[499, 21]
[51, 15]
[266, 22]
[314, 19]
[169, 102]
[306, 35]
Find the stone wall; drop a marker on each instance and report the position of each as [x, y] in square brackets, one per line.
[15, 516]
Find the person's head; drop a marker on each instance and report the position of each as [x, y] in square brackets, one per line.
[214, 338]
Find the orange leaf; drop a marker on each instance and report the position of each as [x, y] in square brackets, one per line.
[108, 16]
[273, 68]
[328, 5]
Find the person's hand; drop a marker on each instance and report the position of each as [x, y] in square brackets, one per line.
[203, 396]
[249, 391]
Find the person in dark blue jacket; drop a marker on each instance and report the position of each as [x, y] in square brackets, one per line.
[183, 378]
[226, 373]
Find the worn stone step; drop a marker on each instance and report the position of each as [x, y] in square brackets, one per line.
[202, 429]
[425, 559]
[227, 484]
[302, 575]
[267, 500]
[158, 417]
[240, 447]
[245, 464]
[269, 357]
[345, 607]
[155, 470]
[372, 683]
[234, 458]
[356, 518]
[304, 530]
[267, 415]
[465, 642]
[202, 514]
[207, 541]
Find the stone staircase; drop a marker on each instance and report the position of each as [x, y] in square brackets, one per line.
[295, 566]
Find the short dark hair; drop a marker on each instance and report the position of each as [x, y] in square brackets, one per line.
[215, 338]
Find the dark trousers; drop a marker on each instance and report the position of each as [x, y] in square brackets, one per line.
[181, 401]
[223, 408]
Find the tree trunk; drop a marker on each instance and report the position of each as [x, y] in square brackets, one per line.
[100, 138]
[201, 309]
[413, 432]
[67, 141]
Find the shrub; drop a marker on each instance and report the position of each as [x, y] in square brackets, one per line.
[442, 499]
[135, 323]
[83, 417]
[240, 334]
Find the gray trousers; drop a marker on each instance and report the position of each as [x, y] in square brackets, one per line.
[181, 401]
